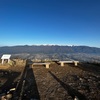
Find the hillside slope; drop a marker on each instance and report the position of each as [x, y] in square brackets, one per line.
[81, 53]
[49, 49]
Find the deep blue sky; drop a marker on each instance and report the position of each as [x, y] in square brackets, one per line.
[66, 22]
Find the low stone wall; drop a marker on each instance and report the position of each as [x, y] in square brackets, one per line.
[13, 64]
[19, 62]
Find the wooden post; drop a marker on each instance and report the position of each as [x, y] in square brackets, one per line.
[75, 62]
[2, 61]
[8, 60]
[47, 65]
[62, 63]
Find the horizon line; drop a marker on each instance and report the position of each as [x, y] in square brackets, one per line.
[46, 45]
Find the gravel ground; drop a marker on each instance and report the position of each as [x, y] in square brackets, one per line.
[56, 83]
[65, 83]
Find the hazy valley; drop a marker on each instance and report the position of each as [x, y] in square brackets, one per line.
[49, 52]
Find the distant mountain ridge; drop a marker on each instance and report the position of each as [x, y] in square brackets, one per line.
[48, 49]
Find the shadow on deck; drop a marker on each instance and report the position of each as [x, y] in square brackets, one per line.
[30, 88]
[72, 92]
